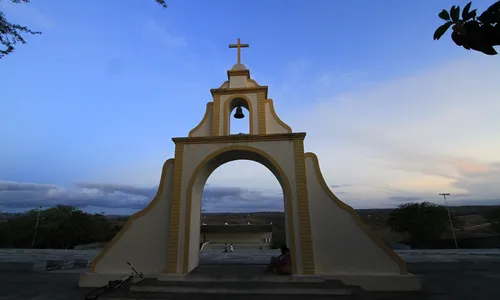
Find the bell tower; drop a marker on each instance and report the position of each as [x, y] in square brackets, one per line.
[240, 90]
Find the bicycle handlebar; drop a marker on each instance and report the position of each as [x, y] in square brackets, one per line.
[135, 271]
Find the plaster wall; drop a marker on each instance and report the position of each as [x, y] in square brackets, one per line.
[340, 244]
[226, 118]
[143, 240]
[272, 125]
[204, 128]
[281, 151]
[237, 81]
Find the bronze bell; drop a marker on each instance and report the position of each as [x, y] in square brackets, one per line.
[239, 113]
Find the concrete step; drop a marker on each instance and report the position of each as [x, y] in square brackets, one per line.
[249, 290]
[265, 283]
[229, 296]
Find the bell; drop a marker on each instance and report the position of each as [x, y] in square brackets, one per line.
[239, 113]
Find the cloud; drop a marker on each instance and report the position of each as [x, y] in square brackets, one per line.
[21, 195]
[426, 133]
[339, 185]
[163, 35]
[404, 199]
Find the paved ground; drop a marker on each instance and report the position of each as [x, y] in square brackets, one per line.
[442, 281]
[244, 256]
[447, 275]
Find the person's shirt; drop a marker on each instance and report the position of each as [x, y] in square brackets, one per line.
[286, 262]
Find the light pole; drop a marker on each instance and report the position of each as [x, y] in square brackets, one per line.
[36, 226]
[449, 217]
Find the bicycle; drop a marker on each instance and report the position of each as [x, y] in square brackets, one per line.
[114, 284]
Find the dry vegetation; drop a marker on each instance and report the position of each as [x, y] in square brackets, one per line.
[466, 216]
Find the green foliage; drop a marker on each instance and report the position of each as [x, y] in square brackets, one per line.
[60, 227]
[424, 222]
[493, 217]
[12, 34]
[479, 34]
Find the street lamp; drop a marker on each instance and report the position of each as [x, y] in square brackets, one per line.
[36, 226]
[449, 217]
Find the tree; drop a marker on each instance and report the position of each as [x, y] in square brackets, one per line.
[60, 227]
[493, 217]
[479, 34]
[424, 222]
[11, 34]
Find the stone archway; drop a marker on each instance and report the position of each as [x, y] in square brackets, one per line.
[194, 194]
[326, 236]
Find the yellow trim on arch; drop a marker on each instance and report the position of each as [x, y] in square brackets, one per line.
[261, 109]
[216, 116]
[275, 116]
[169, 163]
[227, 117]
[304, 220]
[402, 265]
[175, 212]
[205, 117]
[287, 195]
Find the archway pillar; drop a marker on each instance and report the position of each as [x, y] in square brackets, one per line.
[197, 157]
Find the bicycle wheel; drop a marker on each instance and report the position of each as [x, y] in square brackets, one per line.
[96, 293]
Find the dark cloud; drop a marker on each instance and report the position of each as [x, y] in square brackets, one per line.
[404, 198]
[19, 195]
[339, 185]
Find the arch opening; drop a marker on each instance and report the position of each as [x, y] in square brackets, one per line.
[239, 126]
[195, 237]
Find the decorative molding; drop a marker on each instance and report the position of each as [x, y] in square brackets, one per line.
[245, 72]
[229, 91]
[239, 138]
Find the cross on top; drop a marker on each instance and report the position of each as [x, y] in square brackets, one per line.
[239, 46]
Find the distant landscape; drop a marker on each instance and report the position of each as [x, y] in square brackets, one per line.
[470, 223]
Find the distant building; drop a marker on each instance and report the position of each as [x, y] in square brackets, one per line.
[253, 234]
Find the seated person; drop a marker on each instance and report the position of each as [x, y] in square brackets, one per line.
[281, 264]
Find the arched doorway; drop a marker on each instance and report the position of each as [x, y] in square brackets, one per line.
[242, 206]
[195, 190]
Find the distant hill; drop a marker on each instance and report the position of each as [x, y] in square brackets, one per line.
[376, 219]
[468, 216]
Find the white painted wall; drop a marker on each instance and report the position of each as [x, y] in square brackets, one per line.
[271, 123]
[340, 245]
[206, 128]
[145, 242]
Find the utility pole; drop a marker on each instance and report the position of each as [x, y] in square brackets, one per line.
[36, 226]
[449, 217]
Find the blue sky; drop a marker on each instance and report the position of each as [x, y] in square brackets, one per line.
[90, 106]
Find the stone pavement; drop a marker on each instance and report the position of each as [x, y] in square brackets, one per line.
[64, 259]
[441, 281]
